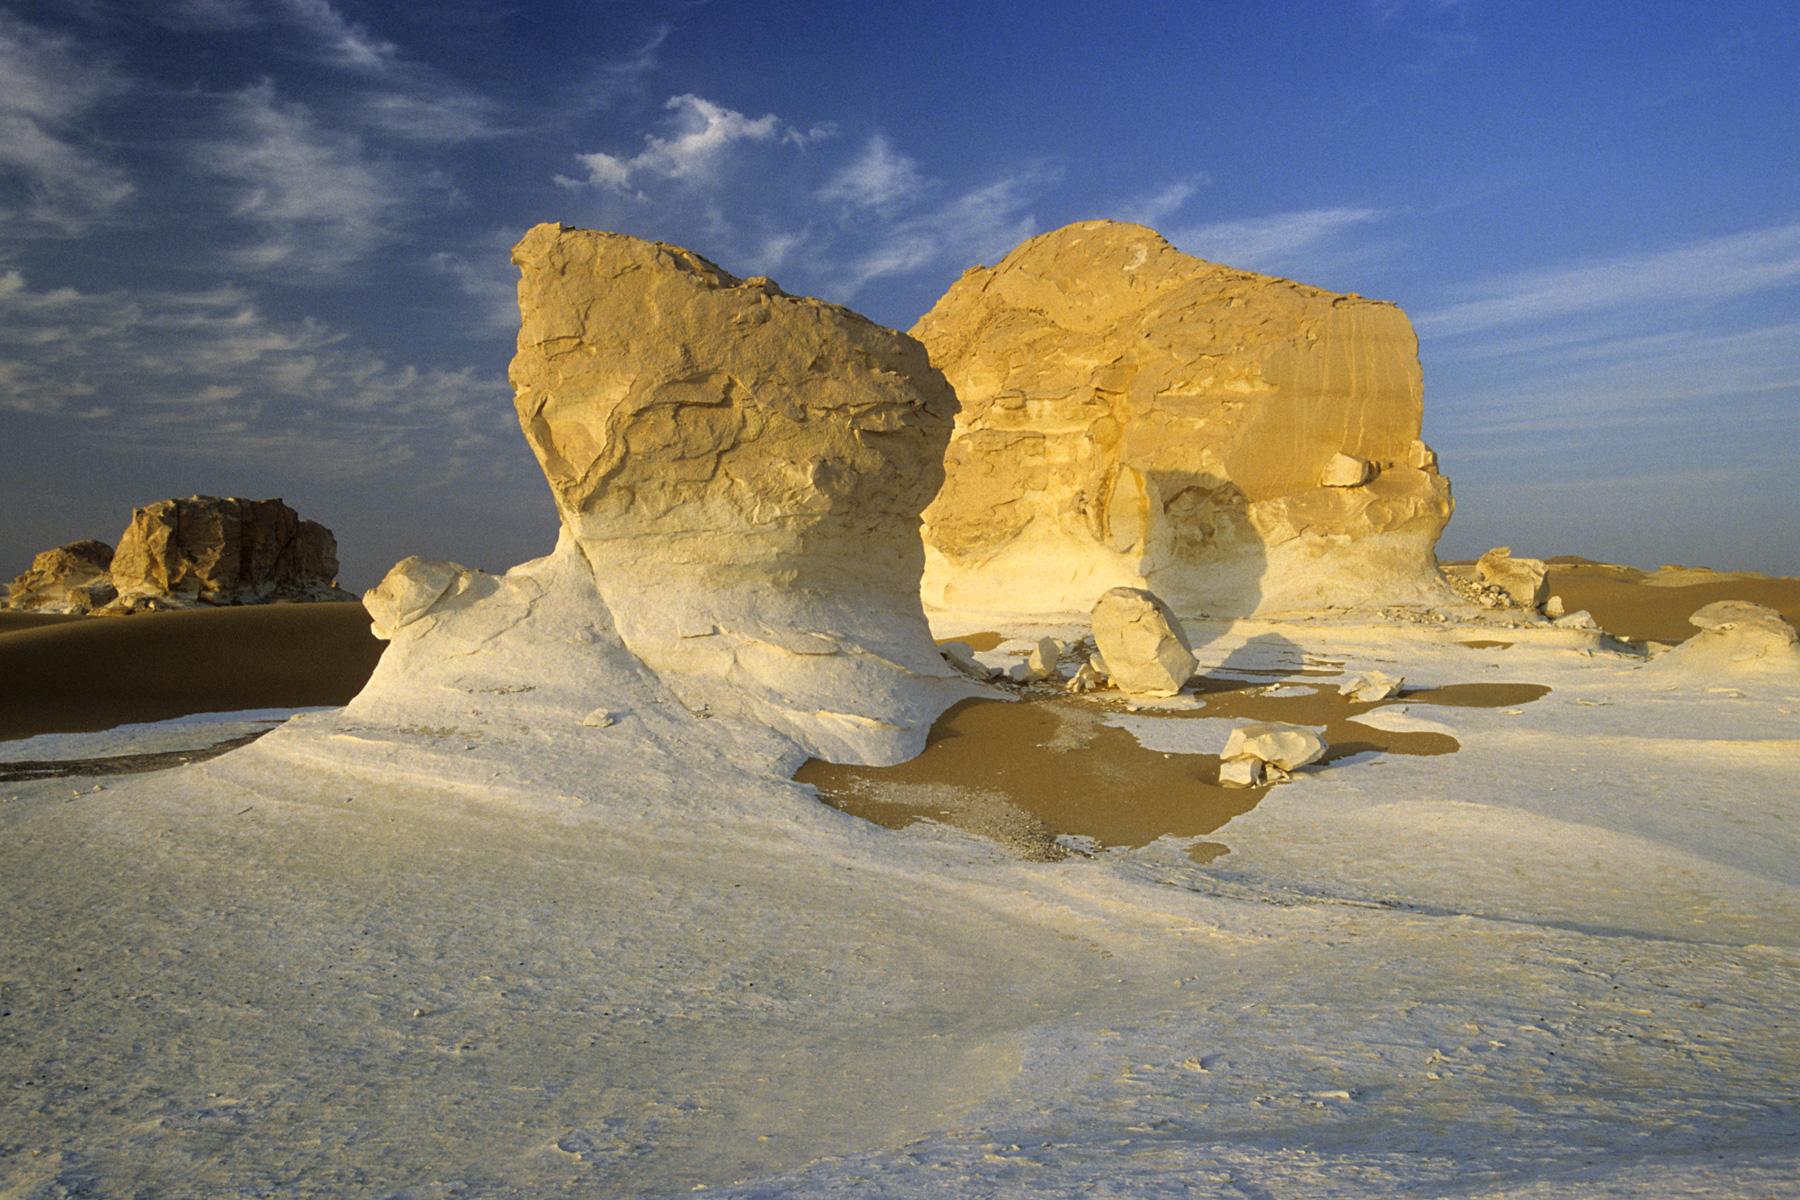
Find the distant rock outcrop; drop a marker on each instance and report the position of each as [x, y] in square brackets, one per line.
[74, 579]
[1132, 416]
[739, 475]
[213, 550]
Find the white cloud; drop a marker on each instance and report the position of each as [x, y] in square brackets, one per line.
[1152, 209]
[315, 200]
[342, 42]
[208, 373]
[1271, 242]
[879, 178]
[978, 226]
[1715, 269]
[50, 86]
[701, 132]
[433, 114]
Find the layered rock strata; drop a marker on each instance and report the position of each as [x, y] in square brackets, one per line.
[73, 579]
[739, 475]
[1132, 416]
[222, 550]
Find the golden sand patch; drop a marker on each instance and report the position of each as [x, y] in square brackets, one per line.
[1029, 772]
[90, 673]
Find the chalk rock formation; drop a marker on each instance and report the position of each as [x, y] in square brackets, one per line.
[1735, 638]
[212, 550]
[1142, 643]
[71, 579]
[1132, 416]
[1267, 753]
[739, 474]
[1526, 581]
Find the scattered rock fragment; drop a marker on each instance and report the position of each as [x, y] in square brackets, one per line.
[961, 655]
[1371, 686]
[1044, 658]
[1141, 643]
[1553, 607]
[1087, 678]
[1524, 580]
[1275, 751]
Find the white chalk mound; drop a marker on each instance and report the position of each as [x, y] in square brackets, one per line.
[1736, 638]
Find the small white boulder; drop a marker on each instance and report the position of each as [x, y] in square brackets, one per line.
[1371, 686]
[1281, 749]
[1141, 643]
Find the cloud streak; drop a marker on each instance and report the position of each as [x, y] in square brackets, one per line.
[314, 199]
[53, 181]
[1268, 243]
[209, 374]
[1715, 269]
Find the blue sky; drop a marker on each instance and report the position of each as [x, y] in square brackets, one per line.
[259, 247]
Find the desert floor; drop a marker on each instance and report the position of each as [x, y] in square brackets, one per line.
[1534, 930]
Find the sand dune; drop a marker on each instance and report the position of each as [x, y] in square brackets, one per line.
[69, 675]
[1646, 607]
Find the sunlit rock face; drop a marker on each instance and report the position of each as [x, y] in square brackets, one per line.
[71, 579]
[1133, 416]
[222, 550]
[743, 472]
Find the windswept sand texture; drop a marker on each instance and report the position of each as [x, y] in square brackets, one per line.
[1135, 417]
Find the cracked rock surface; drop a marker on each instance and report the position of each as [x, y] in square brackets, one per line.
[1132, 416]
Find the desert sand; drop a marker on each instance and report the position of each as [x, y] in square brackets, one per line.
[68, 674]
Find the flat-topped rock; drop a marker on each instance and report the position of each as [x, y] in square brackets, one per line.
[222, 550]
[1132, 416]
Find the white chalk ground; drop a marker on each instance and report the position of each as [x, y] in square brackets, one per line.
[494, 958]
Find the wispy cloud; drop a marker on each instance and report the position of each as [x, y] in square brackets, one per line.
[341, 42]
[1163, 204]
[314, 199]
[53, 180]
[1440, 31]
[1714, 269]
[880, 178]
[1272, 242]
[209, 373]
[979, 225]
[700, 135]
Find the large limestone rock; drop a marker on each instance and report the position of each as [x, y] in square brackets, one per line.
[742, 472]
[1142, 643]
[214, 550]
[1132, 416]
[75, 579]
